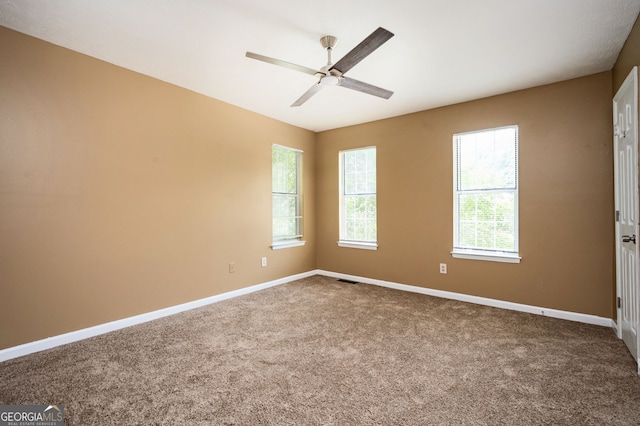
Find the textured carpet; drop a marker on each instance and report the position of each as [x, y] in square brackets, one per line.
[317, 351]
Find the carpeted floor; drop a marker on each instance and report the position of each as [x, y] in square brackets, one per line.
[320, 352]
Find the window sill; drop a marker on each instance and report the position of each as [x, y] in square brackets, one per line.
[490, 256]
[358, 245]
[287, 244]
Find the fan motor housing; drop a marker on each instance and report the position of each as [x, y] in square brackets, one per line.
[328, 42]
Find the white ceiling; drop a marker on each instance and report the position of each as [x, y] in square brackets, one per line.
[443, 52]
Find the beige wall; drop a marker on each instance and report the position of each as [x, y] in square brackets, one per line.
[566, 198]
[121, 194]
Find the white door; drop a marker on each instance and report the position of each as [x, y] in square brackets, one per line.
[625, 120]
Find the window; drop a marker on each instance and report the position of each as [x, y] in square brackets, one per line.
[358, 223]
[486, 195]
[286, 167]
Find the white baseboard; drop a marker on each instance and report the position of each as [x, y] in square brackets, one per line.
[554, 313]
[62, 339]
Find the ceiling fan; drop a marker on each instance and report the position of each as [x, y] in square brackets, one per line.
[333, 74]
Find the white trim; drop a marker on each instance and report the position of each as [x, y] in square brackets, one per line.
[74, 336]
[616, 223]
[342, 221]
[631, 79]
[490, 129]
[358, 245]
[62, 339]
[515, 191]
[287, 147]
[287, 244]
[358, 148]
[554, 313]
[297, 195]
[492, 256]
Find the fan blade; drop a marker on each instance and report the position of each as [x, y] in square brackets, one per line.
[309, 93]
[370, 89]
[361, 51]
[285, 64]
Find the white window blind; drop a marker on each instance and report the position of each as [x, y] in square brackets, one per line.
[286, 166]
[486, 193]
[358, 199]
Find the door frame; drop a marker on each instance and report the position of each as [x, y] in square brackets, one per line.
[632, 79]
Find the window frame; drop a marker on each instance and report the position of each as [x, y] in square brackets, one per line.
[343, 241]
[294, 240]
[476, 253]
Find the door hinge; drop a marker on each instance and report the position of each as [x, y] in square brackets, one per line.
[617, 215]
[619, 303]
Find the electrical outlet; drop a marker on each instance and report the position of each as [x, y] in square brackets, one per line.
[264, 262]
[443, 268]
[232, 267]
